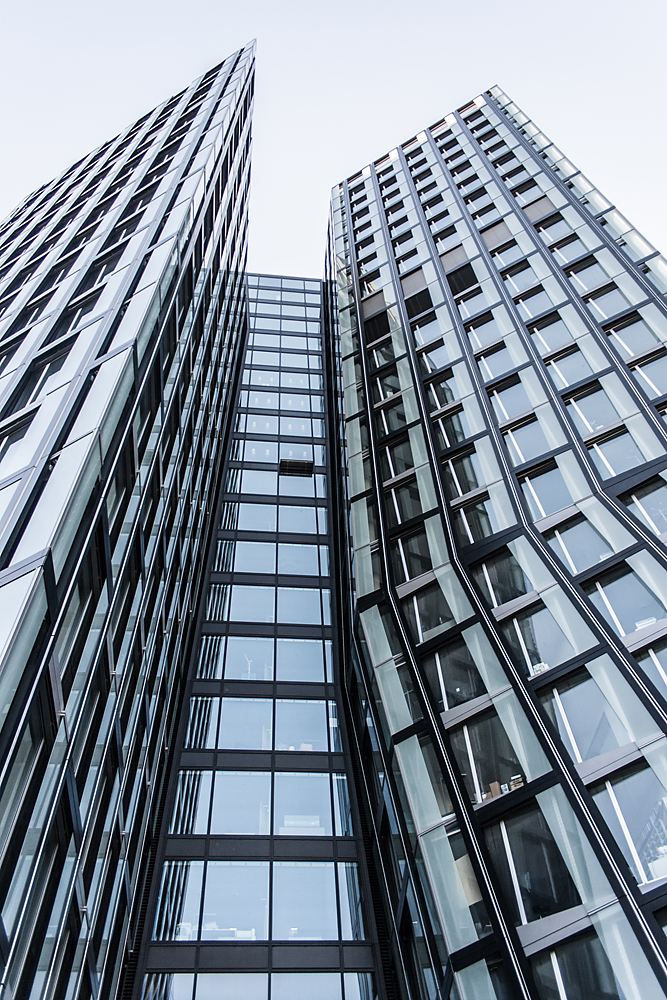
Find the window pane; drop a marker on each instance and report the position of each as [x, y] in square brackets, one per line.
[245, 724]
[252, 604]
[229, 986]
[299, 660]
[241, 803]
[648, 502]
[583, 968]
[304, 901]
[302, 805]
[310, 986]
[299, 560]
[624, 600]
[236, 901]
[578, 544]
[193, 796]
[537, 639]
[453, 676]
[497, 768]
[255, 557]
[587, 723]
[297, 519]
[177, 913]
[301, 725]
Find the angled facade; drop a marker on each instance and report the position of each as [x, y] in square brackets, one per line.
[333, 655]
[502, 333]
[123, 314]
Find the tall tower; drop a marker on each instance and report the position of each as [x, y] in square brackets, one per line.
[122, 313]
[501, 332]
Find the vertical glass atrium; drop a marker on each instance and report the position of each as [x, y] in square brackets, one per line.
[333, 646]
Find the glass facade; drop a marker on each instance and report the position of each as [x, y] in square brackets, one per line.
[333, 656]
[122, 315]
[498, 336]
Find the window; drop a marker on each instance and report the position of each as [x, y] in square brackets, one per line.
[501, 578]
[510, 400]
[537, 639]
[236, 901]
[404, 502]
[488, 762]
[254, 557]
[462, 474]
[550, 334]
[592, 411]
[578, 968]
[648, 502]
[569, 368]
[545, 490]
[530, 866]
[584, 719]
[652, 377]
[633, 806]
[587, 275]
[520, 278]
[410, 556]
[632, 336]
[37, 382]
[607, 303]
[427, 612]
[554, 228]
[578, 544]
[496, 363]
[452, 673]
[616, 454]
[526, 441]
[624, 600]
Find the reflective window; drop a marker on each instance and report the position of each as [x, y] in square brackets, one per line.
[633, 806]
[586, 722]
[302, 805]
[236, 901]
[578, 544]
[301, 520]
[241, 803]
[255, 557]
[616, 454]
[501, 578]
[252, 604]
[304, 901]
[578, 968]
[245, 724]
[545, 491]
[452, 675]
[300, 660]
[532, 872]
[537, 640]
[179, 900]
[488, 762]
[632, 336]
[301, 725]
[249, 658]
[569, 368]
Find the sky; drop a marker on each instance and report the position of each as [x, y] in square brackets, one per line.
[338, 85]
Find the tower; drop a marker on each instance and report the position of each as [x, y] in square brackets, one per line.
[502, 330]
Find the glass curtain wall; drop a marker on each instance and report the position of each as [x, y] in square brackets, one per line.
[499, 329]
[122, 310]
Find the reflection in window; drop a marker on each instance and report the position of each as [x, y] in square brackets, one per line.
[545, 491]
[304, 901]
[427, 612]
[193, 799]
[410, 556]
[301, 725]
[653, 662]
[531, 869]
[537, 639]
[578, 544]
[177, 912]
[569, 368]
[616, 454]
[302, 805]
[300, 659]
[634, 806]
[652, 377]
[632, 336]
[236, 901]
[624, 600]
[501, 578]
[575, 969]
[648, 502]
[245, 724]
[241, 803]
[586, 722]
[453, 675]
[489, 764]
[248, 658]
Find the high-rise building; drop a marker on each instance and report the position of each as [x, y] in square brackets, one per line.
[502, 336]
[123, 315]
[334, 614]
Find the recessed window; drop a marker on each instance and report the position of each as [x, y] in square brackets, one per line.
[583, 717]
[631, 804]
[537, 639]
[501, 578]
[569, 368]
[578, 544]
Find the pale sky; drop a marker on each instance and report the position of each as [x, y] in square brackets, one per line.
[339, 84]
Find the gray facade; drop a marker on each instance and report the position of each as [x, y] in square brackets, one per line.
[502, 339]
